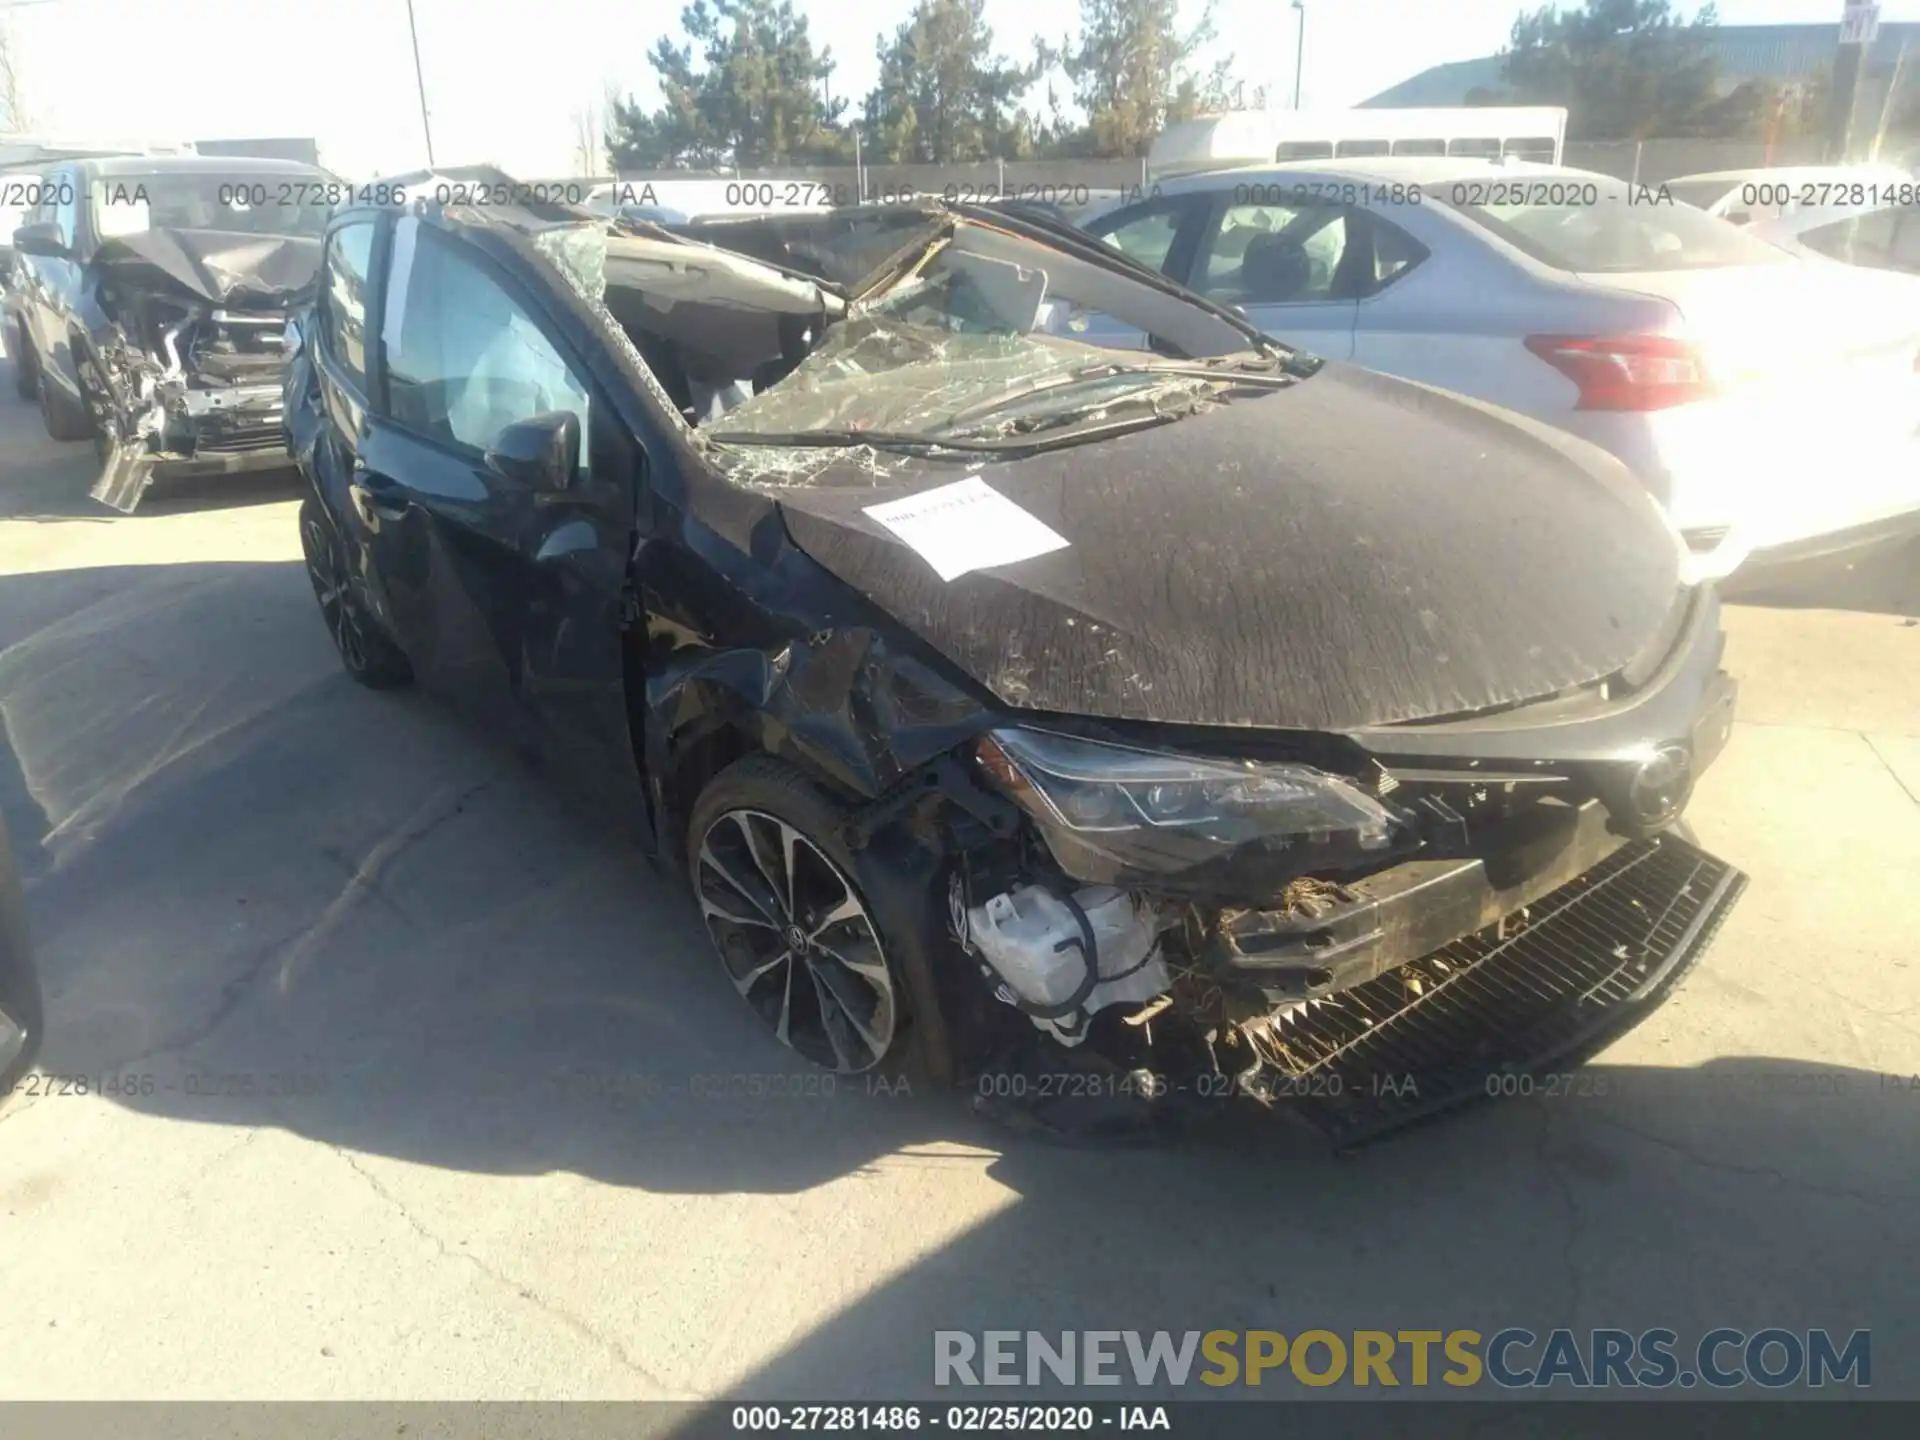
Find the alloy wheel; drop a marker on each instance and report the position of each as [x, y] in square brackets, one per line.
[333, 588]
[796, 940]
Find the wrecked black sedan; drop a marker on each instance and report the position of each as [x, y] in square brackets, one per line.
[148, 300]
[1190, 714]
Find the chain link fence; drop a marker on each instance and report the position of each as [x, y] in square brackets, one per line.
[1650, 162]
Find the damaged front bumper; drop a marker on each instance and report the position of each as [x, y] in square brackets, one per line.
[1539, 988]
[1335, 937]
[1367, 1006]
[1521, 930]
[186, 433]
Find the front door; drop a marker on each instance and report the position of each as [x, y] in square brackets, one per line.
[53, 282]
[523, 585]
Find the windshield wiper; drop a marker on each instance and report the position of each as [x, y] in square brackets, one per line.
[1110, 371]
[929, 446]
[1147, 374]
[846, 439]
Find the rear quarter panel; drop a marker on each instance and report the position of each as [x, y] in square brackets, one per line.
[1460, 319]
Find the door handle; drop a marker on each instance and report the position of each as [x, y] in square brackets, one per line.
[380, 500]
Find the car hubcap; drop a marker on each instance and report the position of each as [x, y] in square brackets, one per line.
[327, 568]
[796, 940]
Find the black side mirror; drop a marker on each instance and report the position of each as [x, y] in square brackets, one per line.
[42, 237]
[541, 453]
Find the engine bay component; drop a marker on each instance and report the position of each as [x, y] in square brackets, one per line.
[1063, 958]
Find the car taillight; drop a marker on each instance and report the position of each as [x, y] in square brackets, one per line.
[1626, 372]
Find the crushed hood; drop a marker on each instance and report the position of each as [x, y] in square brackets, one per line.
[224, 269]
[1352, 551]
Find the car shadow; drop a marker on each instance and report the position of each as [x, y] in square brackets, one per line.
[264, 897]
[1747, 1192]
[1884, 580]
[44, 480]
[275, 898]
[219, 492]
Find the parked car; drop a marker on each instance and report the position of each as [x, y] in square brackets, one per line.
[20, 1007]
[1746, 197]
[20, 188]
[1263, 137]
[149, 297]
[1880, 237]
[1772, 406]
[1215, 719]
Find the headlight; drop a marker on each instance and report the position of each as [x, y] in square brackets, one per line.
[1109, 812]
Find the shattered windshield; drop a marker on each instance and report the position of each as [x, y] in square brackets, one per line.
[968, 337]
[875, 373]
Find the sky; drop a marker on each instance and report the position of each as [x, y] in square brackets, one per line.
[505, 78]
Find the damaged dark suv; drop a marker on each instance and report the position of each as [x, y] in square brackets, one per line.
[147, 304]
[1201, 718]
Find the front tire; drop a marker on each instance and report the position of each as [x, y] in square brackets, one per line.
[787, 908]
[26, 378]
[65, 417]
[366, 652]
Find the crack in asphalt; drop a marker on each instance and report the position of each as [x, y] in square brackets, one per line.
[232, 992]
[16, 1111]
[1873, 1199]
[1906, 788]
[1576, 1218]
[526, 1292]
[364, 880]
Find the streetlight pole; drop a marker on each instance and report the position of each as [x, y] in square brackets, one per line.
[1299, 48]
[420, 84]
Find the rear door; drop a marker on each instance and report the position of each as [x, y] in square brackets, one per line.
[375, 526]
[522, 590]
[1161, 234]
[1295, 266]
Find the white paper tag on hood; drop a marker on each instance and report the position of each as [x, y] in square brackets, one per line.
[966, 526]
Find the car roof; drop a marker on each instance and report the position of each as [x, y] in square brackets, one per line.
[1796, 223]
[107, 167]
[1783, 172]
[533, 215]
[1380, 170]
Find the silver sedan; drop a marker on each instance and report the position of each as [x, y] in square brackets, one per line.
[1772, 405]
